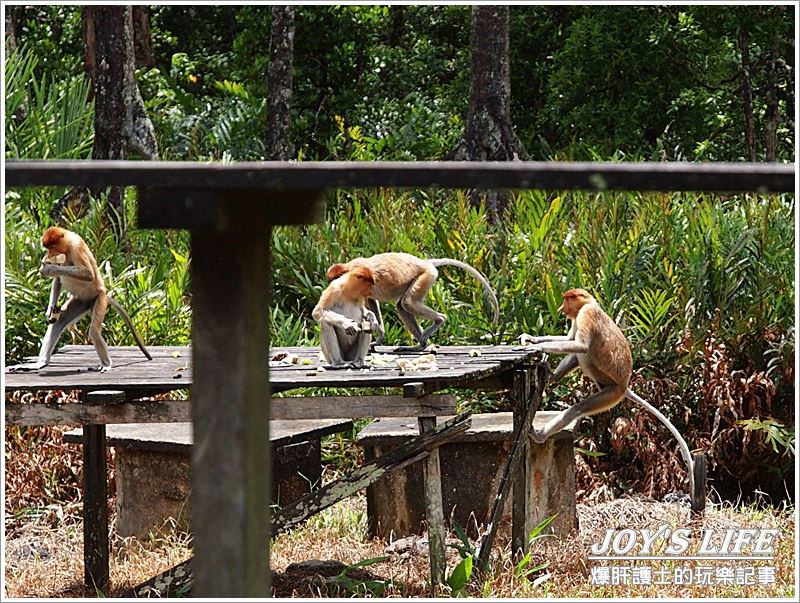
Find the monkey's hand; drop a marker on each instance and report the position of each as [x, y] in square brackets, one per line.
[370, 317]
[351, 328]
[52, 314]
[526, 339]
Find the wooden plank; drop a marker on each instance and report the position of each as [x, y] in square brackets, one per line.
[179, 579]
[162, 411]
[230, 408]
[177, 437]
[434, 513]
[96, 572]
[520, 512]
[341, 407]
[288, 176]
[194, 207]
[514, 458]
[178, 411]
[171, 369]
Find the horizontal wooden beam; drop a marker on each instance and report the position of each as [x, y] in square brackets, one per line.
[178, 411]
[348, 407]
[285, 176]
[162, 411]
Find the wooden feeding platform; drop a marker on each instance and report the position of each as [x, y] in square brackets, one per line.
[116, 396]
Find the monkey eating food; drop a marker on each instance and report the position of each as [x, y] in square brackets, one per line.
[346, 325]
[406, 279]
[71, 264]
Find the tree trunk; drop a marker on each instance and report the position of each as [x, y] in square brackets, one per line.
[121, 124]
[108, 24]
[771, 116]
[279, 84]
[89, 46]
[396, 25]
[488, 133]
[747, 92]
[14, 18]
[142, 37]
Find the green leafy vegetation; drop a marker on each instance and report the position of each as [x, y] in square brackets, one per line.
[702, 284]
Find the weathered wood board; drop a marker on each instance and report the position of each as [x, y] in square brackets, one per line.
[171, 369]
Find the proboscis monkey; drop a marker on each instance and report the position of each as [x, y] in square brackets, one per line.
[597, 345]
[70, 262]
[406, 279]
[346, 325]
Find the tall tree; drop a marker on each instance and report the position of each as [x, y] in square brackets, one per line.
[488, 132]
[121, 123]
[743, 41]
[279, 84]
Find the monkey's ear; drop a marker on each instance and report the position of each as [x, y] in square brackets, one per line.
[335, 271]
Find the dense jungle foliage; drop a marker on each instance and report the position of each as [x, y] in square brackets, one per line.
[702, 284]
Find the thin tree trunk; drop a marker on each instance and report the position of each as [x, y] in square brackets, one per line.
[747, 93]
[14, 18]
[111, 34]
[396, 25]
[279, 84]
[488, 132]
[772, 116]
[142, 37]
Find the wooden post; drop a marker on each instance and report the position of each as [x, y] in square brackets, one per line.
[230, 407]
[528, 407]
[432, 483]
[521, 507]
[698, 493]
[95, 497]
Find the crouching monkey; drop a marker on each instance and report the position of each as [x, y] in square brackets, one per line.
[406, 279]
[597, 345]
[346, 325]
[70, 262]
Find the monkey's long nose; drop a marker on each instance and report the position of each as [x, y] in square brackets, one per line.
[561, 308]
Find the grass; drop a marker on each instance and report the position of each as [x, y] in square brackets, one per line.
[45, 558]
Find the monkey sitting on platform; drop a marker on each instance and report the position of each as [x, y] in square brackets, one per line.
[346, 325]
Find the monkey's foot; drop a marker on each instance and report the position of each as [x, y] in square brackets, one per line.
[99, 369]
[25, 368]
[345, 366]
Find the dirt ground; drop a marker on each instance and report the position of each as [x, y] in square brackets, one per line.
[43, 557]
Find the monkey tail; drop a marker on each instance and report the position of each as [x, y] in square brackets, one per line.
[687, 455]
[478, 275]
[128, 322]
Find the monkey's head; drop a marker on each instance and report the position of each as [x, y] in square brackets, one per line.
[362, 281]
[574, 300]
[335, 271]
[55, 240]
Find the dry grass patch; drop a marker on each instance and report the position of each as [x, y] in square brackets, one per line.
[44, 557]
